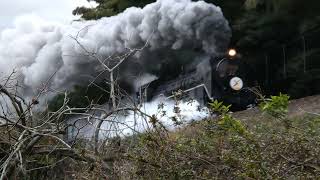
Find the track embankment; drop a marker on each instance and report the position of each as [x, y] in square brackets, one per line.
[297, 107]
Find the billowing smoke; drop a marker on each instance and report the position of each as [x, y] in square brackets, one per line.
[143, 79]
[38, 49]
[169, 113]
[162, 109]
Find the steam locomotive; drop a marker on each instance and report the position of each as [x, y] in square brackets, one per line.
[226, 79]
[233, 79]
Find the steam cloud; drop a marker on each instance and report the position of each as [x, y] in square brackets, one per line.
[38, 49]
[189, 111]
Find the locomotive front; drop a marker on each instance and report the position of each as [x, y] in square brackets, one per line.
[232, 80]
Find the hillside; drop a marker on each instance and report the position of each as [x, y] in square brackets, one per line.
[244, 145]
[296, 108]
[251, 144]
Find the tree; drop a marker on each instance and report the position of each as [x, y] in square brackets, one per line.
[82, 96]
[110, 64]
[23, 129]
[108, 8]
[32, 141]
[232, 9]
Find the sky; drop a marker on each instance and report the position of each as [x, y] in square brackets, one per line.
[49, 10]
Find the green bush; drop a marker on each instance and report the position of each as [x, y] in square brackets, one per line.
[276, 106]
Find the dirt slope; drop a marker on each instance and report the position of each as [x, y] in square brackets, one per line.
[297, 107]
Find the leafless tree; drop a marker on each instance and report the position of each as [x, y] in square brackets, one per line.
[29, 131]
[26, 133]
[111, 62]
[109, 65]
[22, 130]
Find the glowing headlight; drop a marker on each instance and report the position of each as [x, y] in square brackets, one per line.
[232, 52]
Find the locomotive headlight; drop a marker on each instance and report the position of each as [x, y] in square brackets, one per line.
[232, 52]
[236, 83]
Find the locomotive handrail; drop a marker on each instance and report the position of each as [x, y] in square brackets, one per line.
[193, 88]
[219, 63]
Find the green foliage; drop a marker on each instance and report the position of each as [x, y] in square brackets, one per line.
[218, 107]
[226, 121]
[108, 8]
[276, 106]
[231, 9]
[269, 25]
[82, 96]
[306, 84]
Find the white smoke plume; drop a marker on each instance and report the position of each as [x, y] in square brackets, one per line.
[144, 79]
[162, 109]
[170, 114]
[38, 49]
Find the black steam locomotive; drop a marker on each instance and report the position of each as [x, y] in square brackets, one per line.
[233, 79]
[226, 79]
